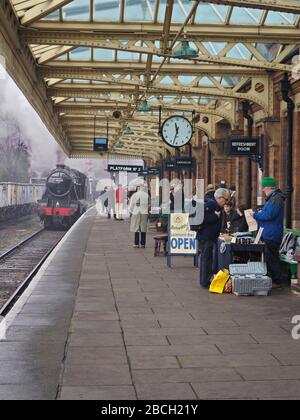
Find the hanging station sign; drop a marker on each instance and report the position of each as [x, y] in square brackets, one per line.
[144, 172]
[244, 146]
[180, 163]
[154, 171]
[150, 172]
[185, 163]
[100, 144]
[169, 165]
[125, 168]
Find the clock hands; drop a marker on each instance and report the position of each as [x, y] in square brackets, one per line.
[177, 131]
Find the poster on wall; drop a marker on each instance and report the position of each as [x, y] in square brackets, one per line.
[182, 241]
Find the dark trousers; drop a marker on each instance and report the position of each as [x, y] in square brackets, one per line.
[207, 251]
[273, 261]
[138, 240]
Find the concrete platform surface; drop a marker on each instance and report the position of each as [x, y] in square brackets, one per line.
[106, 321]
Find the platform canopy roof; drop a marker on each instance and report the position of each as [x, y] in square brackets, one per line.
[100, 56]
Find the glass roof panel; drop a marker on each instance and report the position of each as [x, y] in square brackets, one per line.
[107, 10]
[205, 81]
[181, 10]
[52, 16]
[205, 100]
[63, 57]
[230, 81]
[162, 10]
[103, 54]
[77, 10]
[186, 79]
[167, 81]
[275, 18]
[155, 58]
[128, 56]
[211, 13]
[269, 51]
[214, 47]
[240, 52]
[245, 16]
[139, 10]
[81, 54]
[80, 81]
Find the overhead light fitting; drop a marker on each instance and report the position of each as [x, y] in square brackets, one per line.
[184, 51]
[128, 132]
[145, 107]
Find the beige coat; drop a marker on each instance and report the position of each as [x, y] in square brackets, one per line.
[139, 208]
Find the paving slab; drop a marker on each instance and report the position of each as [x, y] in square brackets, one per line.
[245, 390]
[97, 393]
[178, 391]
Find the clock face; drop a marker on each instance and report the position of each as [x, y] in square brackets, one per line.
[177, 131]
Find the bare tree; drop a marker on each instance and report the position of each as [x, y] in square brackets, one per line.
[14, 152]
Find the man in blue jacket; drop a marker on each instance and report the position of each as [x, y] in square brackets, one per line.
[271, 219]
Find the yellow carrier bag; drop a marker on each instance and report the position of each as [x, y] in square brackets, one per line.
[219, 282]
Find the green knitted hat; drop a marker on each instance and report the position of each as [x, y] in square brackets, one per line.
[268, 182]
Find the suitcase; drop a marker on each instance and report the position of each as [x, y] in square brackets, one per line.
[250, 279]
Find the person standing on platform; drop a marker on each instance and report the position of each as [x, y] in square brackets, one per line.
[176, 199]
[271, 219]
[210, 192]
[208, 233]
[110, 203]
[103, 199]
[119, 202]
[172, 199]
[139, 211]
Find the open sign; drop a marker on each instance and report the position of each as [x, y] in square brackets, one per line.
[183, 245]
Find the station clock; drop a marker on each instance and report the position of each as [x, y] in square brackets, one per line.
[177, 131]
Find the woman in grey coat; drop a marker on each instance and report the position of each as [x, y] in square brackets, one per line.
[139, 210]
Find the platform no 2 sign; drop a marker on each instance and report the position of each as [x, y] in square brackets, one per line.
[182, 241]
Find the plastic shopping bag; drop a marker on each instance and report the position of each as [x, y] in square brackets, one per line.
[219, 282]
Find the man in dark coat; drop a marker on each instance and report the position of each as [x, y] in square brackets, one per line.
[208, 233]
[271, 219]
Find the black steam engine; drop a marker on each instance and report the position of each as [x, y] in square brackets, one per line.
[65, 199]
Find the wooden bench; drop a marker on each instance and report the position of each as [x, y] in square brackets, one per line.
[161, 245]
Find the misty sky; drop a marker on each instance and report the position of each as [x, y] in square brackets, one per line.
[43, 146]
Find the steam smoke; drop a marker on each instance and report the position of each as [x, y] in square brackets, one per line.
[42, 144]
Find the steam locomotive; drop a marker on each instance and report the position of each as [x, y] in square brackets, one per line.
[65, 199]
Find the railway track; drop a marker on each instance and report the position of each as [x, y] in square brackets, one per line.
[20, 264]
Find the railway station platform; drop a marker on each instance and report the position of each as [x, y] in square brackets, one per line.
[105, 321]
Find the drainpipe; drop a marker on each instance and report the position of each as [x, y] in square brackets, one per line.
[177, 154]
[209, 165]
[190, 156]
[285, 87]
[248, 117]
